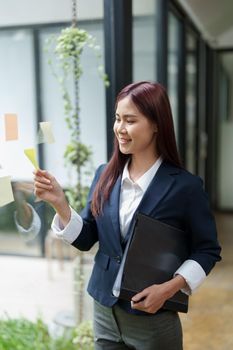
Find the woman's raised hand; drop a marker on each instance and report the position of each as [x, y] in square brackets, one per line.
[49, 190]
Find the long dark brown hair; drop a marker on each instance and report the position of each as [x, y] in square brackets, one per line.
[152, 101]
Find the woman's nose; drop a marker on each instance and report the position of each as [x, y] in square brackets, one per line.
[121, 128]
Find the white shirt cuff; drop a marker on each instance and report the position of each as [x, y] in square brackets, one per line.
[34, 228]
[193, 274]
[72, 229]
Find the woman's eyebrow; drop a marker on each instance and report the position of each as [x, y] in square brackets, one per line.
[127, 115]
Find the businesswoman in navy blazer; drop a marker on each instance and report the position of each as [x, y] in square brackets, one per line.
[144, 174]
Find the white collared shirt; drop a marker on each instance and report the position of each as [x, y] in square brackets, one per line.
[132, 193]
[33, 230]
[130, 197]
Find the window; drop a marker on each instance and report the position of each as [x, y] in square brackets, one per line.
[191, 101]
[225, 131]
[144, 40]
[173, 70]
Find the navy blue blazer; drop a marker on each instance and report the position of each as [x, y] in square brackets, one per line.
[175, 197]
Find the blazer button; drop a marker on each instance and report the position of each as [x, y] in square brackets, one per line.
[118, 259]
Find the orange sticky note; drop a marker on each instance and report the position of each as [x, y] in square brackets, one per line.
[11, 127]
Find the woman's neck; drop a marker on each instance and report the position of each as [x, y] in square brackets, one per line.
[139, 165]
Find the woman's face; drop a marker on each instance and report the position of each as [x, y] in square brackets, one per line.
[135, 133]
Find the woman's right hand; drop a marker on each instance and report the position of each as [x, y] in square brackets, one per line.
[49, 190]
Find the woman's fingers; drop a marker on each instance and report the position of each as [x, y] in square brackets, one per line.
[42, 179]
[42, 185]
[43, 173]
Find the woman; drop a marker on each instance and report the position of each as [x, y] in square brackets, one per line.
[144, 174]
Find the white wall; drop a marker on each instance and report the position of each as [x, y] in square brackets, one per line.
[143, 8]
[23, 12]
[226, 39]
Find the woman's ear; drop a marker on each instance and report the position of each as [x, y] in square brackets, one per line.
[155, 128]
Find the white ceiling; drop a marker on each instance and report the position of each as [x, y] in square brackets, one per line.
[214, 18]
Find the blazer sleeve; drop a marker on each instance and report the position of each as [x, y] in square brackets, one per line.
[89, 233]
[205, 248]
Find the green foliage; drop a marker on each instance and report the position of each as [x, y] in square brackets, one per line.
[77, 153]
[84, 339]
[21, 334]
[68, 48]
[77, 196]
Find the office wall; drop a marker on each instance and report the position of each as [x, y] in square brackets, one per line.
[25, 12]
[15, 12]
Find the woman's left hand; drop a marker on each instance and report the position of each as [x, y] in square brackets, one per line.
[151, 299]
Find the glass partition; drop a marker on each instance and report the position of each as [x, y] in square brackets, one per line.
[225, 131]
[92, 106]
[191, 101]
[17, 96]
[144, 40]
[173, 59]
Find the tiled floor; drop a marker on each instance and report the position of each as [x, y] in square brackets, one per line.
[26, 289]
[30, 287]
[209, 323]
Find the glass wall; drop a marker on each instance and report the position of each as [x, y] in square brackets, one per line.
[191, 101]
[225, 131]
[21, 232]
[17, 96]
[144, 40]
[92, 106]
[173, 70]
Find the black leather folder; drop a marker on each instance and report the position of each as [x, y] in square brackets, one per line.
[155, 252]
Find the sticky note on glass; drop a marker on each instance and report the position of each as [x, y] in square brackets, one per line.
[6, 193]
[31, 154]
[11, 127]
[45, 134]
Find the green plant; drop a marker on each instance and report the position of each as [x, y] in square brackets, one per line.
[68, 48]
[22, 334]
[84, 338]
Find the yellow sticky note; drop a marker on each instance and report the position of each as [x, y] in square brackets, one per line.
[6, 194]
[31, 154]
[11, 127]
[45, 133]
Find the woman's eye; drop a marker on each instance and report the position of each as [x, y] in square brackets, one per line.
[130, 121]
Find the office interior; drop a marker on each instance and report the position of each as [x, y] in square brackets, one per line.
[186, 45]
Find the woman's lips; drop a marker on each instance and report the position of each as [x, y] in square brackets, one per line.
[123, 141]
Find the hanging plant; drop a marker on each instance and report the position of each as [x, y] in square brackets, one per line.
[68, 48]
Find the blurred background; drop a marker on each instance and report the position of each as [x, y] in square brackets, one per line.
[186, 45]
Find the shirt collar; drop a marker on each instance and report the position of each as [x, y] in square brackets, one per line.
[144, 181]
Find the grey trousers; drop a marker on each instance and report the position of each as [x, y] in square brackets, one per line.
[115, 329]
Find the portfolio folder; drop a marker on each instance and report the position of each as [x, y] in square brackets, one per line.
[155, 252]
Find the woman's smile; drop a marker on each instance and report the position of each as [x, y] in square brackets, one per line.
[135, 133]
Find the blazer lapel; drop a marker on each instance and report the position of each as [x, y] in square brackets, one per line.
[158, 188]
[114, 206]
